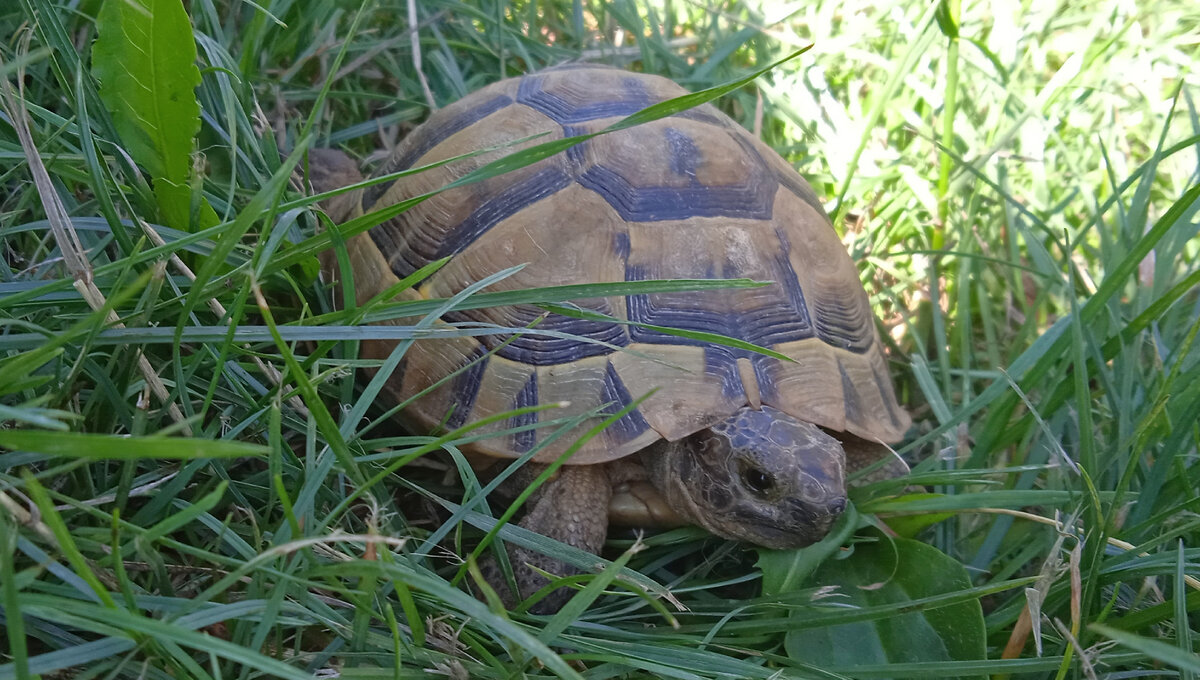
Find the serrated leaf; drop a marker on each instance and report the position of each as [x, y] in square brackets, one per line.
[887, 572]
[145, 60]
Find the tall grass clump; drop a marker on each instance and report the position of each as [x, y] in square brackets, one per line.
[198, 478]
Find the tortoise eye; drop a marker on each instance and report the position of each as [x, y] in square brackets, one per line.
[758, 481]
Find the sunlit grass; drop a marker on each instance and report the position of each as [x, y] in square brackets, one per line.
[1033, 257]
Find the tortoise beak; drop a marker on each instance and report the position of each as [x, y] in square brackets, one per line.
[816, 516]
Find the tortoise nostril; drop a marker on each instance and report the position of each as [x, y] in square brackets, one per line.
[837, 505]
[818, 515]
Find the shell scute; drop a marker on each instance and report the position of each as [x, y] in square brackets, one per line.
[524, 439]
[445, 127]
[569, 100]
[698, 171]
[688, 196]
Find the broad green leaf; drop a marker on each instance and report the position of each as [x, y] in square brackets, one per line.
[145, 60]
[117, 447]
[888, 572]
[789, 570]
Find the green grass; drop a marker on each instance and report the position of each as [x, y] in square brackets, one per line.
[1021, 188]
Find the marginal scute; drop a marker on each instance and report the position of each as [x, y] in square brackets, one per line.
[688, 196]
[524, 439]
[853, 404]
[721, 365]
[631, 424]
[430, 363]
[898, 417]
[503, 380]
[803, 385]
[465, 387]
[841, 312]
[789, 180]
[683, 396]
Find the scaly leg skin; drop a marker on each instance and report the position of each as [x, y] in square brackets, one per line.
[861, 454]
[572, 508]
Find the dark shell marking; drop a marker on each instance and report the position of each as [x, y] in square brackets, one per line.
[616, 397]
[431, 137]
[514, 199]
[524, 440]
[548, 350]
[465, 387]
[675, 188]
[572, 105]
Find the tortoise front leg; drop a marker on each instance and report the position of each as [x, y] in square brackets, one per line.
[572, 507]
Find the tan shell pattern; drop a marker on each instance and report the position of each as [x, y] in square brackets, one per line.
[689, 196]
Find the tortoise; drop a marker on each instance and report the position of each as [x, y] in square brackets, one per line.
[743, 444]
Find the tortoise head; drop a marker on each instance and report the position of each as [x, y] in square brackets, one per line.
[759, 476]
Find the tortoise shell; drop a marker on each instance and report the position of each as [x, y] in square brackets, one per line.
[689, 196]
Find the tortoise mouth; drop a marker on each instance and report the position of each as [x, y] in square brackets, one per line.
[775, 538]
[779, 539]
[805, 527]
